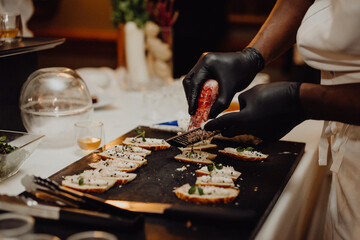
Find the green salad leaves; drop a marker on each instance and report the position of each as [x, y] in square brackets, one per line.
[5, 148]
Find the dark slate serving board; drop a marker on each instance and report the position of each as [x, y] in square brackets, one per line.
[260, 183]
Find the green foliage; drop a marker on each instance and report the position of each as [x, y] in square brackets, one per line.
[4, 147]
[129, 10]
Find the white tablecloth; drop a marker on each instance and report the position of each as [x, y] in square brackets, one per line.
[291, 215]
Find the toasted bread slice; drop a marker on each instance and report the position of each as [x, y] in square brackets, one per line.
[149, 143]
[202, 145]
[113, 154]
[228, 170]
[119, 164]
[97, 180]
[244, 155]
[207, 194]
[88, 185]
[207, 155]
[217, 180]
[132, 149]
[111, 173]
[195, 157]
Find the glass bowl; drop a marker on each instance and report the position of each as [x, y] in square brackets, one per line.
[25, 144]
[51, 101]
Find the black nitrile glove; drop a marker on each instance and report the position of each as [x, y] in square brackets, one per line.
[267, 111]
[233, 71]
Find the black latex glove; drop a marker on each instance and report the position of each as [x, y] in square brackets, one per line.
[267, 111]
[233, 71]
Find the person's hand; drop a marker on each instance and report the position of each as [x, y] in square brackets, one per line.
[267, 111]
[233, 71]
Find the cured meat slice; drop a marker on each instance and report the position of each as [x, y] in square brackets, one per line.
[207, 97]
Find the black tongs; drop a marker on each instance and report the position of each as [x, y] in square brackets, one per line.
[76, 199]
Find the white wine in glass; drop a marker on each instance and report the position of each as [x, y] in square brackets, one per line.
[89, 135]
[11, 27]
[89, 143]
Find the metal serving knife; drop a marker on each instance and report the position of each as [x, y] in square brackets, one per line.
[195, 212]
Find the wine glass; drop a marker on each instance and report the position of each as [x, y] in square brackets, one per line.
[89, 135]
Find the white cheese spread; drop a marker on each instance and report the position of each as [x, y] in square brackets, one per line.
[129, 156]
[148, 141]
[245, 152]
[131, 149]
[228, 170]
[215, 178]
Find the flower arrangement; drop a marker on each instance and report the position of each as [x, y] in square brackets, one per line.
[162, 12]
[129, 10]
[141, 11]
[145, 40]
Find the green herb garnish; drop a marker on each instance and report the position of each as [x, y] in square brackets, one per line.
[241, 149]
[5, 148]
[126, 147]
[81, 181]
[210, 167]
[249, 149]
[201, 191]
[192, 190]
[141, 134]
[219, 166]
[192, 152]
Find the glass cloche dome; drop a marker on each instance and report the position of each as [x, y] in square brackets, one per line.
[51, 101]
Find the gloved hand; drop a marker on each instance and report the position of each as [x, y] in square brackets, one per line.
[267, 111]
[233, 71]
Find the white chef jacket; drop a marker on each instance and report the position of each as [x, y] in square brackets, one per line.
[329, 40]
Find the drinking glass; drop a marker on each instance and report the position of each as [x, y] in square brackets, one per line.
[13, 225]
[11, 26]
[89, 135]
[2, 28]
[95, 235]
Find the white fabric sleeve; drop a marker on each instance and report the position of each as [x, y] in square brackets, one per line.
[344, 32]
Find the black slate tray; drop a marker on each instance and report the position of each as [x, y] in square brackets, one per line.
[29, 45]
[261, 183]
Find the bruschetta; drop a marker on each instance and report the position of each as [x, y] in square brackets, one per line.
[228, 170]
[147, 143]
[206, 194]
[113, 154]
[119, 164]
[195, 157]
[244, 154]
[215, 179]
[132, 149]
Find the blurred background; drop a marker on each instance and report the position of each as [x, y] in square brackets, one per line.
[202, 25]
